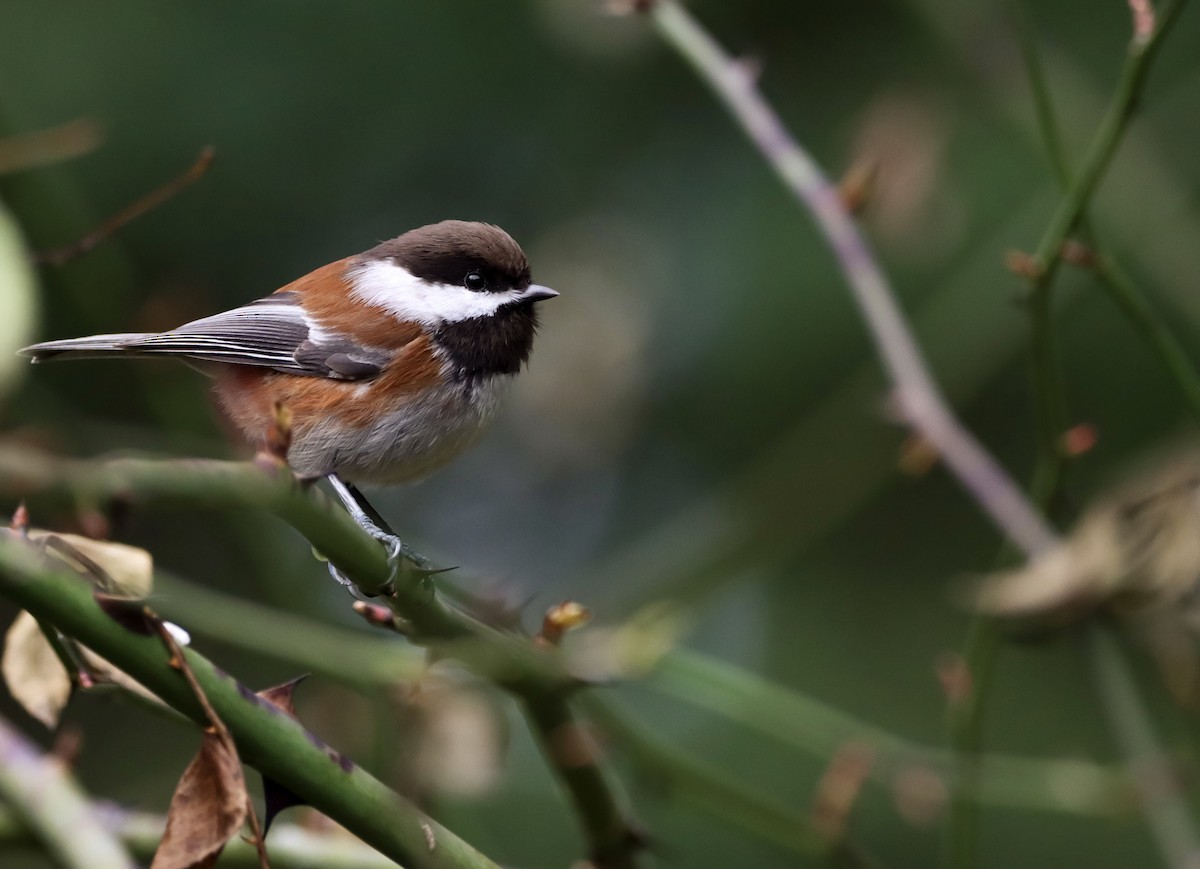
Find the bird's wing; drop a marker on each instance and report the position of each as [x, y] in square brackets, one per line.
[272, 332]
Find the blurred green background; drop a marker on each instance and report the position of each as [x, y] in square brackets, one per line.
[703, 421]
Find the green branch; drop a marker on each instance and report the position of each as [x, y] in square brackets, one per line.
[982, 644]
[273, 743]
[514, 662]
[1047, 259]
[429, 619]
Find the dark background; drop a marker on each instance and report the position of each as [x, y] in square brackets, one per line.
[703, 419]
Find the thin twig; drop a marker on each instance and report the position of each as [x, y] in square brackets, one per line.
[62, 255]
[916, 397]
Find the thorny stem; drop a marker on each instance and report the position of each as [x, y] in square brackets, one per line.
[536, 676]
[1103, 264]
[274, 743]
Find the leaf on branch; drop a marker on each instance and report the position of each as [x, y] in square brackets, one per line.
[276, 797]
[1136, 551]
[208, 808]
[120, 569]
[35, 676]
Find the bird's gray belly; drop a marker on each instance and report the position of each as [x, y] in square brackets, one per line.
[404, 444]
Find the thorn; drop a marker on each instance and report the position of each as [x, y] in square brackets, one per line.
[375, 614]
[425, 572]
[67, 744]
[918, 456]
[857, 186]
[20, 519]
[1023, 265]
[1078, 439]
[839, 789]
[1143, 21]
[561, 618]
[954, 676]
[1078, 254]
[749, 69]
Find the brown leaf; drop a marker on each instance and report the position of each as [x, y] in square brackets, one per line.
[1136, 551]
[131, 569]
[34, 675]
[208, 809]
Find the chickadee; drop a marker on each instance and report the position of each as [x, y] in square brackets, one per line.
[390, 363]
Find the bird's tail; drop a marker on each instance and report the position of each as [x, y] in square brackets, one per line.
[83, 348]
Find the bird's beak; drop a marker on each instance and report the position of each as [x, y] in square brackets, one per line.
[536, 293]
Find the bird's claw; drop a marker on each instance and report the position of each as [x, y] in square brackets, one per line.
[397, 552]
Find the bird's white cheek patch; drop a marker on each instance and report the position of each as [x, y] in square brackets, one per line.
[410, 298]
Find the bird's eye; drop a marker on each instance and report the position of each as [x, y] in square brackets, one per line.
[474, 281]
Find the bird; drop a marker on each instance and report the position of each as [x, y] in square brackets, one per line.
[388, 363]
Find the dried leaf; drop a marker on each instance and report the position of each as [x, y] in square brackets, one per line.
[1135, 551]
[130, 568]
[208, 809]
[34, 675]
